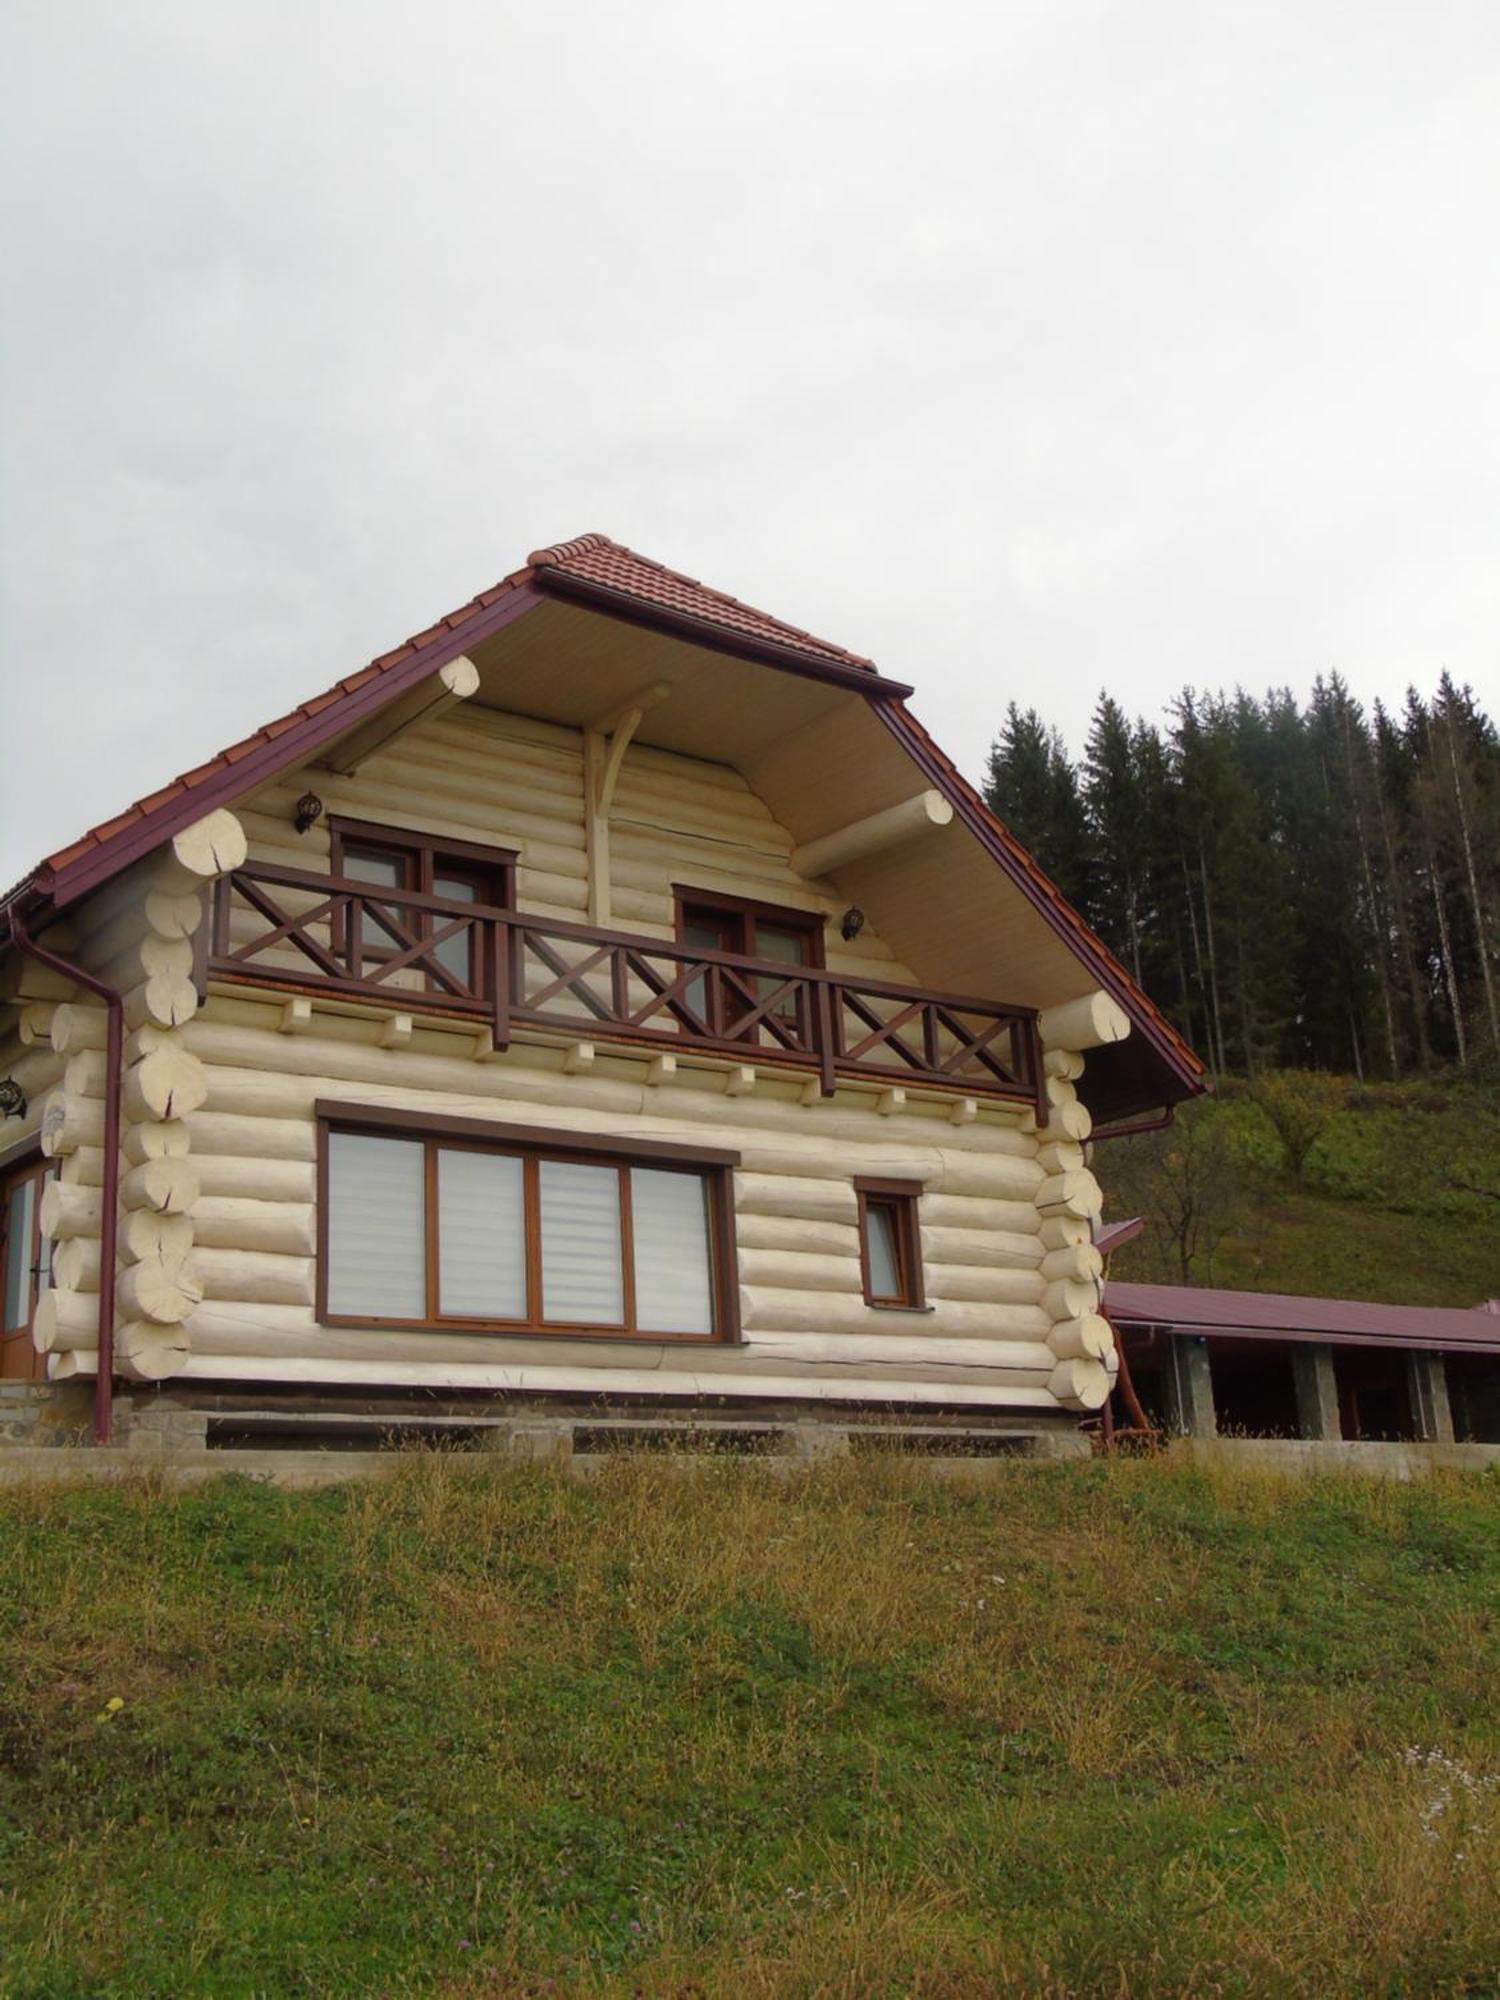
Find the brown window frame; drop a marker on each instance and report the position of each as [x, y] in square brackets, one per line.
[533, 1144]
[810, 923]
[494, 866]
[25, 1161]
[745, 913]
[900, 1198]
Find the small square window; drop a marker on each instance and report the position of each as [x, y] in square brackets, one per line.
[890, 1244]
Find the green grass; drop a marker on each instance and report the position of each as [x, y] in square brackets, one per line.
[1400, 1197]
[1108, 1729]
[1291, 1239]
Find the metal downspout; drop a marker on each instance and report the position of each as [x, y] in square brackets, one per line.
[114, 1063]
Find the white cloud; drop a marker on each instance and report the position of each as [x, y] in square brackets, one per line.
[1027, 348]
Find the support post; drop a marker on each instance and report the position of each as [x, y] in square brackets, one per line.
[1317, 1390]
[1190, 1386]
[1432, 1414]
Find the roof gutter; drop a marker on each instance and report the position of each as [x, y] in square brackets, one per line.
[109, 1194]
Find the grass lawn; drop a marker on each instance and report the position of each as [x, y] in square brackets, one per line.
[1118, 1729]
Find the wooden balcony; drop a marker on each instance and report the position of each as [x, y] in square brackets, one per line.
[291, 929]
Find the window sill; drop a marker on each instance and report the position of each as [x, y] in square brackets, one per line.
[506, 1330]
[895, 1306]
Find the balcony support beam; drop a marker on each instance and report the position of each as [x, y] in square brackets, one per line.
[457, 681]
[873, 834]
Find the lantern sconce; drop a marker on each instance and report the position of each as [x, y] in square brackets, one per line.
[308, 812]
[12, 1099]
[853, 924]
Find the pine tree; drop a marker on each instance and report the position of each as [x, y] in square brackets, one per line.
[1033, 786]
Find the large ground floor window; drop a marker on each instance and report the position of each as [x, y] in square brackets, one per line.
[456, 1223]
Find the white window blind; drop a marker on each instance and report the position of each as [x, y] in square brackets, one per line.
[582, 1275]
[673, 1289]
[481, 1235]
[377, 1257]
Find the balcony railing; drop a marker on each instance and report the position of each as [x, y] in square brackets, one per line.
[288, 927]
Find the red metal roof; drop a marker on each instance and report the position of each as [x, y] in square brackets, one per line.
[594, 559]
[1283, 1316]
[1115, 1235]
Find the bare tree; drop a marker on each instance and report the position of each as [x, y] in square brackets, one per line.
[1187, 1183]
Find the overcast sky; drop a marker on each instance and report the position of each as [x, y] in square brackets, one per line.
[1026, 348]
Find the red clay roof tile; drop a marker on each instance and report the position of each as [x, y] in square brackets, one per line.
[597, 560]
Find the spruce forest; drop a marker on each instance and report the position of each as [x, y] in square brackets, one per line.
[1297, 887]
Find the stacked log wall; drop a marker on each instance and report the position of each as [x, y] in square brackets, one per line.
[806, 1327]
[220, 1138]
[136, 935]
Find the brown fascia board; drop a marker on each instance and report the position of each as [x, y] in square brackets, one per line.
[1298, 1336]
[293, 745]
[1185, 1075]
[713, 637]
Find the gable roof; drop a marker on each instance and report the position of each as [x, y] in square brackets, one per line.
[614, 580]
[596, 569]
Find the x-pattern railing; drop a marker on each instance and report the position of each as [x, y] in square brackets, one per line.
[289, 927]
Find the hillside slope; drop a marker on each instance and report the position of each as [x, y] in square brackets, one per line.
[1398, 1197]
[1109, 1729]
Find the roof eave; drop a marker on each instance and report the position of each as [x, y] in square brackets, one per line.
[1182, 1075]
[292, 745]
[712, 636]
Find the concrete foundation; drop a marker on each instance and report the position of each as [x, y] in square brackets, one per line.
[1427, 1380]
[185, 1437]
[1322, 1456]
[1317, 1391]
[1190, 1388]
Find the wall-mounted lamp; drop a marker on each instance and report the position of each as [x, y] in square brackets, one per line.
[853, 924]
[308, 812]
[12, 1098]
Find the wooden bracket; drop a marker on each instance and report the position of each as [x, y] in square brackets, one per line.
[604, 745]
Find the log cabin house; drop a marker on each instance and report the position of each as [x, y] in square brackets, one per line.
[612, 991]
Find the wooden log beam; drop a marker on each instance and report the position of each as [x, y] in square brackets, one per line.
[161, 1291]
[873, 834]
[168, 1186]
[152, 1353]
[1091, 1022]
[201, 853]
[1088, 1337]
[166, 1083]
[1080, 1384]
[457, 681]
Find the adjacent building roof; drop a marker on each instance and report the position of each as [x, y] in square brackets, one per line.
[1195, 1309]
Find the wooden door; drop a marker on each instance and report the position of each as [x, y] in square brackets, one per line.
[25, 1268]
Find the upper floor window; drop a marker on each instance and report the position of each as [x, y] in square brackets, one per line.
[450, 1223]
[735, 924]
[391, 858]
